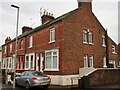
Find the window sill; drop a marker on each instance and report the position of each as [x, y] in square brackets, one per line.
[104, 45]
[114, 52]
[51, 42]
[85, 42]
[91, 43]
[104, 66]
[51, 69]
[29, 47]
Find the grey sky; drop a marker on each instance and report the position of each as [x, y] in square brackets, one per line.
[105, 10]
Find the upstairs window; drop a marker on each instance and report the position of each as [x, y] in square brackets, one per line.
[103, 41]
[30, 41]
[5, 50]
[90, 37]
[87, 37]
[113, 49]
[52, 35]
[21, 44]
[10, 47]
[84, 36]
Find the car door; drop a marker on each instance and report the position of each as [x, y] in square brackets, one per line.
[19, 79]
[24, 78]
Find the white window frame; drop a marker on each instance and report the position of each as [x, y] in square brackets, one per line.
[30, 41]
[85, 41]
[104, 62]
[52, 69]
[9, 62]
[29, 55]
[90, 37]
[10, 47]
[52, 35]
[91, 61]
[103, 41]
[86, 61]
[4, 63]
[113, 49]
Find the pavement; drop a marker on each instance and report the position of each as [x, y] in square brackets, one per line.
[51, 87]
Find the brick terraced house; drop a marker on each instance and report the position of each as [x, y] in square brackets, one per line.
[60, 46]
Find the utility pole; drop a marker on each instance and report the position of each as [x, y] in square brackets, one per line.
[16, 44]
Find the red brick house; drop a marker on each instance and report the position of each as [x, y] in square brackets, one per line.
[60, 46]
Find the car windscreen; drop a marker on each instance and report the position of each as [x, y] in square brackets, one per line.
[38, 74]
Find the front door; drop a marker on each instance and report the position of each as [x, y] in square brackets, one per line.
[41, 61]
[37, 61]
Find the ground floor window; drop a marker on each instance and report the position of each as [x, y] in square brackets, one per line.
[91, 61]
[29, 61]
[52, 60]
[85, 61]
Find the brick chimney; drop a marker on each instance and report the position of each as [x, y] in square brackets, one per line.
[8, 39]
[85, 4]
[47, 17]
[26, 29]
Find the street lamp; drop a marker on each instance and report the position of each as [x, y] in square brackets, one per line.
[16, 43]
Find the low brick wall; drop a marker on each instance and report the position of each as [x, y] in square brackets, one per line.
[105, 77]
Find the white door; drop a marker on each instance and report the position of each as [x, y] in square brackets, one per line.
[37, 62]
[41, 62]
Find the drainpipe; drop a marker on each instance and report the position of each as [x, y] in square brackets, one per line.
[107, 48]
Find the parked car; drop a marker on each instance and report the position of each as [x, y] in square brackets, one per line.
[30, 79]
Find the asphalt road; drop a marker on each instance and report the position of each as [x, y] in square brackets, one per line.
[112, 87]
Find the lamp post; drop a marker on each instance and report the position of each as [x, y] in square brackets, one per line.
[16, 43]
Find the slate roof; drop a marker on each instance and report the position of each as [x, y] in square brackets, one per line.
[44, 25]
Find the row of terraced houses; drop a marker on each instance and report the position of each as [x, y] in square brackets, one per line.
[60, 46]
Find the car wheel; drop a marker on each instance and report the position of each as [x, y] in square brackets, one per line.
[27, 85]
[46, 86]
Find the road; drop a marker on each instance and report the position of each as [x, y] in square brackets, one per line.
[112, 87]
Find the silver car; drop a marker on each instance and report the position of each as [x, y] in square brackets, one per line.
[30, 79]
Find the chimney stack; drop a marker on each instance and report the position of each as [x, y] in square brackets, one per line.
[8, 39]
[26, 29]
[47, 17]
[85, 4]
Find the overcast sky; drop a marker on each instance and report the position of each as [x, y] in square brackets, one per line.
[105, 10]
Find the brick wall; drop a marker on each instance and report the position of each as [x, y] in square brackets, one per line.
[75, 50]
[105, 77]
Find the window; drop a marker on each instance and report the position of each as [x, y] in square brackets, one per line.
[52, 35]
[21, 62]
[85, 61]
[113, 49]
[4, 63]
[29, 62]
[21, 44]
[84, 36]
[90, 38]
[52, 59]
[104, 62]
[91, 61]
[30, 41]
[5, 48]
[10, 63]
[18, 63]
[10, 47]
[103, 41]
